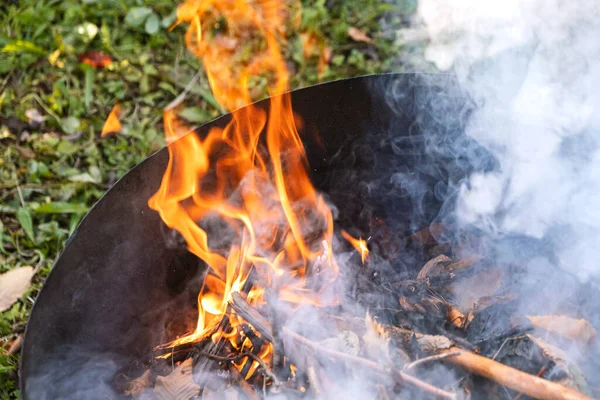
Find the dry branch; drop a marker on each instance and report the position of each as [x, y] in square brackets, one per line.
[520, 381]
[245, 386]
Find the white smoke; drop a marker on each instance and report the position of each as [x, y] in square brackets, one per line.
[533, 69]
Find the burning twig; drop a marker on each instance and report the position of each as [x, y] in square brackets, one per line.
[245, 386]
[241, 356]
[248, 312]
[528, 384]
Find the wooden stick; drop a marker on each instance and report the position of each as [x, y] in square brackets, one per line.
[540, 373]
[313, 377]
[260, 323]
[245, 386]
[520, 381]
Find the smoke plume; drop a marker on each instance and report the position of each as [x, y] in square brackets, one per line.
[533, 70]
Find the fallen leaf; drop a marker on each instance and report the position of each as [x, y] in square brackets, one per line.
[579, 330]
[112, 123]
[13, 284]
[358, 35]
[25, 152]
[138, 385]
[179, 384]
[96, 59]
[36, 119]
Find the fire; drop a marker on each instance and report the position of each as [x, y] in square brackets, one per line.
[359, 244]
[241, 195]
[112, 123]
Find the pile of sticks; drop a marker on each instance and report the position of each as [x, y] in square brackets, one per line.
[439, 320]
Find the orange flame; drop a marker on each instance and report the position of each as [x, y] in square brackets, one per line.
[112, 123]
[251, 176]
[359, 244]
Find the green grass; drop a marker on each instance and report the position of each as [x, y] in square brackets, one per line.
[51, 174]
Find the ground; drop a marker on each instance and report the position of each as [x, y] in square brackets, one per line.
[57, 88]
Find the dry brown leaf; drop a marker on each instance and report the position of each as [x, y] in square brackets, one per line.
[13, 284]
[138, 385]
[434, 267]
[579, 330]
[358, 35]
[179, 384]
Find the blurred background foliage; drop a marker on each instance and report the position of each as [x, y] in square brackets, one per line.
[64, 64]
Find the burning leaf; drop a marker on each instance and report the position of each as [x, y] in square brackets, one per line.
[13, 284]
[358, 35]
[139, 384]
[579, 330]
[96, 59]
[179, 384]
[112, 123]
